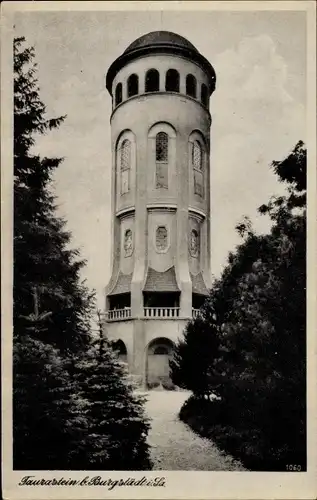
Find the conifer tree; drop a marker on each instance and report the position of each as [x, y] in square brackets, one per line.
[47, 423]
[72, 408]
[117, 427]
[42, 259]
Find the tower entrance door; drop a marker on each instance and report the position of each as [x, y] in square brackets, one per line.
[159, 352]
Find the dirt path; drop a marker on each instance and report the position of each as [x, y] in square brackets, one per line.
[173, 445]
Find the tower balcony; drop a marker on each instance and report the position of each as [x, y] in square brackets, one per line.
[161, 298]
[148, 312]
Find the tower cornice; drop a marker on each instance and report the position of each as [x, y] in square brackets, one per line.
[125, 212]
[195, 212]
[159, 207]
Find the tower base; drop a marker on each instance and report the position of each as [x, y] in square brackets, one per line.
[146, 345]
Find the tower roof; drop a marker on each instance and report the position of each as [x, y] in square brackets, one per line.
[161, 281]
[158, 42]
[157, 38]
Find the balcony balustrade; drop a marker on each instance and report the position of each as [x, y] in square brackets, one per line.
[195, 313]
[161, 312]
[117, 314]
[149, 312]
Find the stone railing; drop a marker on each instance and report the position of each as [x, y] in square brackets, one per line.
[149, 312]
[117, 314]
[161, 312]
[195, 313]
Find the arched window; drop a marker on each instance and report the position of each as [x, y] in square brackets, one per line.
[172, 81]
[161, 157]
[161, 349]
[162, 346]
[197, 156]
[197, 165]
[191, 86]
[118, 94]
[152, 81]
[204, 94]
[162, 147]
[161, 239]
[133, 85]
[125, 165]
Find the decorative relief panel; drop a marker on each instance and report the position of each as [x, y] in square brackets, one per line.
[194, 243]
[128, 243]
[161, 239]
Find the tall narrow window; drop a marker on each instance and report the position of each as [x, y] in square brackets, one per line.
[197, 164]
[161, 156]
[204, 94]
[118, 94]
[191, 86]
[197, 155]
[133, 85]
[125, 164]
[152, 81]
[172, 81]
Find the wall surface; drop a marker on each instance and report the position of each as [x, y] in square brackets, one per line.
[137, 336]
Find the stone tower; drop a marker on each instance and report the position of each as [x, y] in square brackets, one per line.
[160, 198]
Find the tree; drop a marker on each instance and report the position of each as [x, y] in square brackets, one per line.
[42, 259]
[115, 438]
[192, 363]
[260, 305]
[51, 305]
[46, 425]
[72, 407]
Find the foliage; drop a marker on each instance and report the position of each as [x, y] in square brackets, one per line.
[42, 259]
[52, 306]
[44, 408]
[260, 307]
[72, 406]
[117, 427]
[200, 339]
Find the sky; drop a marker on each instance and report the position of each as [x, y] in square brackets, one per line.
[258, 112]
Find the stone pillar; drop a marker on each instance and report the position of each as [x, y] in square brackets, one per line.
[139, 347]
